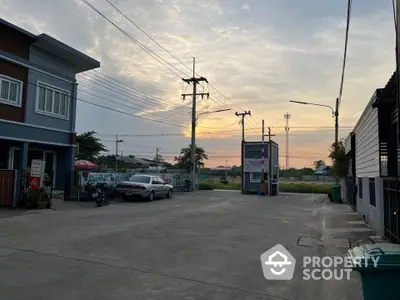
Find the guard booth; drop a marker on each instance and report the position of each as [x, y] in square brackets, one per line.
[253, 165]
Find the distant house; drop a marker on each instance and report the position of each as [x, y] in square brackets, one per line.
[38, 101]
[323, 170]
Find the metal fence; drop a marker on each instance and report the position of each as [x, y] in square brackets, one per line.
[7, 187]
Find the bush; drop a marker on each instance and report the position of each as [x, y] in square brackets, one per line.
[221, 186]
[205, 187]
[304, 188]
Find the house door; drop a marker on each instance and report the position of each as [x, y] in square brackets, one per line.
[350, 192]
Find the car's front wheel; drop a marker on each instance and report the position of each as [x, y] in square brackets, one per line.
[151, 196]
[169, 194]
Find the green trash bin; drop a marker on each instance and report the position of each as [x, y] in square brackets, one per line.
[337, 193]
[382, 281]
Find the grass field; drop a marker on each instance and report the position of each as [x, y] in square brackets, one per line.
[298, 187]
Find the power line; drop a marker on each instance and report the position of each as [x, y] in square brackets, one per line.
[150, 37]
[351, 114]
[349, 2]
[132, 105]
[317, 129]
[172, 55]
[127, 89]
[143, 47]
[116, 110]
[121, 104]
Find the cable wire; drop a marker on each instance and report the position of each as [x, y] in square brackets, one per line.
[349, 2]
[118, 111]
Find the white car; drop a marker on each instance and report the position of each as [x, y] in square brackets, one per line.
[144, 186]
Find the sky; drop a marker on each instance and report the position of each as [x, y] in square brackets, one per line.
[258, 54]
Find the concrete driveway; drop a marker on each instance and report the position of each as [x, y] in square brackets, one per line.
[194, 246]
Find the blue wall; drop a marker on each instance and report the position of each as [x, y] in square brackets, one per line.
[48, 63]
[18, 132]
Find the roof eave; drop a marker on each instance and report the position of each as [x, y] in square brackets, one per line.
[81, 61]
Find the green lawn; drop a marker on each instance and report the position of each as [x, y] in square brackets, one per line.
[283, 187]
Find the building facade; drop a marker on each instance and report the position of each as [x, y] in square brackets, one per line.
[371, 186]
[38, 98]
[252, 165]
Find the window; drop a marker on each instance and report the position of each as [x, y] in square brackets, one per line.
[140, 179]
[372, 199]
[10, 91]
[360, 195]
[255, 176]
[52, 101]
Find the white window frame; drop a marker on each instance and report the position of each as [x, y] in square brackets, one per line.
[53, 88]
[19, 98]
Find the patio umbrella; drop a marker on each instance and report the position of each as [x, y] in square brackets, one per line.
[85, 165]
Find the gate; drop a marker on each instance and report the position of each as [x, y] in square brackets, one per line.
[391, 210]
[7, 187]
[350, 192]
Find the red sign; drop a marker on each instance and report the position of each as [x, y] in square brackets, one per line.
[34, 182]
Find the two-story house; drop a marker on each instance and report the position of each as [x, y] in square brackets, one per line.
[38, 100]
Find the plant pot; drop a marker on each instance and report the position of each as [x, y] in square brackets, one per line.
[41, 204]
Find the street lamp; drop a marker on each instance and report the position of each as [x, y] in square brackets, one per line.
[335, 113]
[212, 112]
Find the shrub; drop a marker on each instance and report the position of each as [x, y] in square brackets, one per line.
[205, 187]
[304, 188]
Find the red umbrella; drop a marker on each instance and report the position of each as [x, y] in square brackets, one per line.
[85, 165]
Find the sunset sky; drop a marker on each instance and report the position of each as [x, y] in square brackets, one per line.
[258, 54]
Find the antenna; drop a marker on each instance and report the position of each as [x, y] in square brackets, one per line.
[287, 116]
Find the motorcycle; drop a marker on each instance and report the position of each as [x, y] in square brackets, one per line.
[99, 194]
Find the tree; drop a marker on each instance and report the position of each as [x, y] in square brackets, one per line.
[184, 159]
[158, 158]
[318, 163]
[339, 159]
[90, 146]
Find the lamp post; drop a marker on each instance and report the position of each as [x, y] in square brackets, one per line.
[211, 112]
[193, 154]
[335, 114]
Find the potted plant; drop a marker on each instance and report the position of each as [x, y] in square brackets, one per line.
[41, 202]
[37, 199]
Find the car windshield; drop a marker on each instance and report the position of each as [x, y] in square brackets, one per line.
[142, 179]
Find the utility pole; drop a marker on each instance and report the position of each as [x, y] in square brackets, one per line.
[336, 115]
[195, 81]
[287, 117]
[226, 169]
[117, 141]
[270, 171]
[157, 154]
[262, 181]
[242, 115]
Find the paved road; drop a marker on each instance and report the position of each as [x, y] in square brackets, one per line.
[202, 246]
